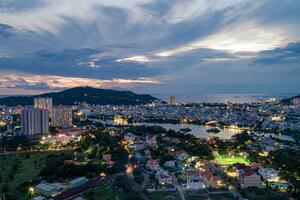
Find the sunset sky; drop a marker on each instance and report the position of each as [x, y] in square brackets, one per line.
[150, 46]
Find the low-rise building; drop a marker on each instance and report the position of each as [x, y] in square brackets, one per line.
[47, 189]
[268, 173]
[170, 164]
[130, 137]
[78, 182]
[107, 158]
[179, 154]
[152, 165]
[163, 177]
[39, 198]
[248, 178]
[195, 183]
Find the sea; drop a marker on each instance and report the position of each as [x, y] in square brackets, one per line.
[222, 98]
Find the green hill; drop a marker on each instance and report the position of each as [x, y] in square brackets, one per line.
[289, 100]
[89, 95]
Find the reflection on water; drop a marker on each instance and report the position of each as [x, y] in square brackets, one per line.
[201, 131]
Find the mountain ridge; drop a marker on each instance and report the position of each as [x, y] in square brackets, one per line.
[83, 94]
[289, 100]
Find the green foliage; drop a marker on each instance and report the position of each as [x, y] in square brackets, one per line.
[11, 144]
[4, 188]
[287, 161]
[243, 137]
[138, 176]
[143, 130]
[106, 191]
[57, 168]
[261, 194]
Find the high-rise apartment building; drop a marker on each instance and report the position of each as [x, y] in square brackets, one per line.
[43, 103]
[34, 121]
[172, 100]
[61, 116]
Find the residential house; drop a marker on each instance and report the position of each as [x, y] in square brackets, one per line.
[268, 173]
[107, 158]
[163, 177]
[170, 164]
[195, 183]
[248, 178]
[152, 165]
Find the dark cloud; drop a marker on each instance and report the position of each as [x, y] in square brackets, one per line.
[6, 30]
[286, 55]
[78, 63]
[20, 83]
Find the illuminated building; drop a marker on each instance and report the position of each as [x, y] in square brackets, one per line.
[34, 121]
[296, 101]
[61, 116]
[119, 120]
[43, 103]
[172, 100]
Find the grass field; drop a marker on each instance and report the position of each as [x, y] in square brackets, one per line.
[19, 172]
[231, 159]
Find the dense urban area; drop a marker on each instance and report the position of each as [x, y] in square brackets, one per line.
[158, 150]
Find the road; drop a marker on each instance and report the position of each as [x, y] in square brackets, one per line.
[234, 191]
[138, 188]
[178, 187]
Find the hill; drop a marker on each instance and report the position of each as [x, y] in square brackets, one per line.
[289, 100]
[83, 94]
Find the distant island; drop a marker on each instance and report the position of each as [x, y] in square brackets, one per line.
[185, 130]
[89, 95]
[213, 130]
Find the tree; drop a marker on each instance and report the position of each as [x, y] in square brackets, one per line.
[4, 188]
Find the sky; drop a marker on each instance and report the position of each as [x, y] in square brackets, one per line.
[150, 46]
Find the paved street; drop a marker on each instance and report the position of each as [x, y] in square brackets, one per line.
[178, 187]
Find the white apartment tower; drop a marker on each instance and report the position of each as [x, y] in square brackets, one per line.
[34, 121]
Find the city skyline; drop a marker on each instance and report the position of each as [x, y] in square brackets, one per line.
[150, 46]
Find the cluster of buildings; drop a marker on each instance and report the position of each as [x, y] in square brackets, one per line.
[195, 175]
[37, 120]
[267, 115]
[264, 116]
[47, 190]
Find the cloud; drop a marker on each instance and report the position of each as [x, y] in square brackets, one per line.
[248, 37]
[141, 59]
[6, 30]
[48, 15]
[188, 10]
[10, 80]
[87, 63]
[179, 43]
[285, 55]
